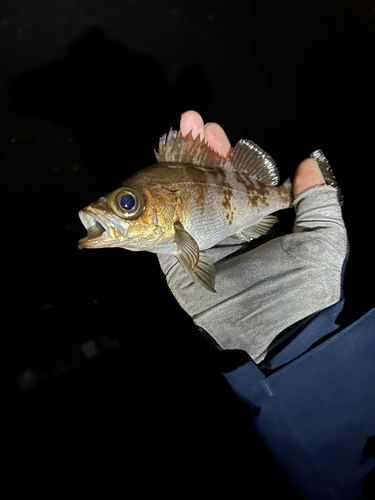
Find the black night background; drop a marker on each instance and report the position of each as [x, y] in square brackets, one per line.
[105, 380]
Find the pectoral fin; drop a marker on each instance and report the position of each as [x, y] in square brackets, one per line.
[195, 263]
[187, 245]
[259, 228]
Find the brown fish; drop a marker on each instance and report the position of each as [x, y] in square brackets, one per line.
[189, 201]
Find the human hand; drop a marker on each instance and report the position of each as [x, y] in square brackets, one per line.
[263, 291]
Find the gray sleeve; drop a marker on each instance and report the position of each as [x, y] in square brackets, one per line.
[265, 290]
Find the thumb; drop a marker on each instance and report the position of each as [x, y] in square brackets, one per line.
[308, 175]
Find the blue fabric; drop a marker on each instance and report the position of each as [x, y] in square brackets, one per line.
[321, 325]
[317, 412]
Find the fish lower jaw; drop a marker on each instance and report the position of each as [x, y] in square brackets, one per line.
[97, 233]
[94, 240]
[90, 243]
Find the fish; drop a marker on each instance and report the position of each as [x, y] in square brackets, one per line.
[189, 201]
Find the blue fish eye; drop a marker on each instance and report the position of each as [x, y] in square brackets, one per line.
[127, 202]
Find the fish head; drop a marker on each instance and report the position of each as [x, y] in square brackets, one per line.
[124, 218]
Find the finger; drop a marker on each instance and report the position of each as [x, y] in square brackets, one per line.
[307, 175]
[217, 139]
[191, 120]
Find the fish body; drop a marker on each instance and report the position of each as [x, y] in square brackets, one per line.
[189, 201]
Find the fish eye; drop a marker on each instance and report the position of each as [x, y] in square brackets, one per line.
[126, 202]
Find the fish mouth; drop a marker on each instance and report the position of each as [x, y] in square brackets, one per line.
[98, 231]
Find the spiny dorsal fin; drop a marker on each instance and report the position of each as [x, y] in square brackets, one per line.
[179, 149]
[249, 159]
[246, 157]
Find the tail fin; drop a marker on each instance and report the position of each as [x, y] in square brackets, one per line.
[326, 170]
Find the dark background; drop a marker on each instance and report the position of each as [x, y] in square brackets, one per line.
[104, 378]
